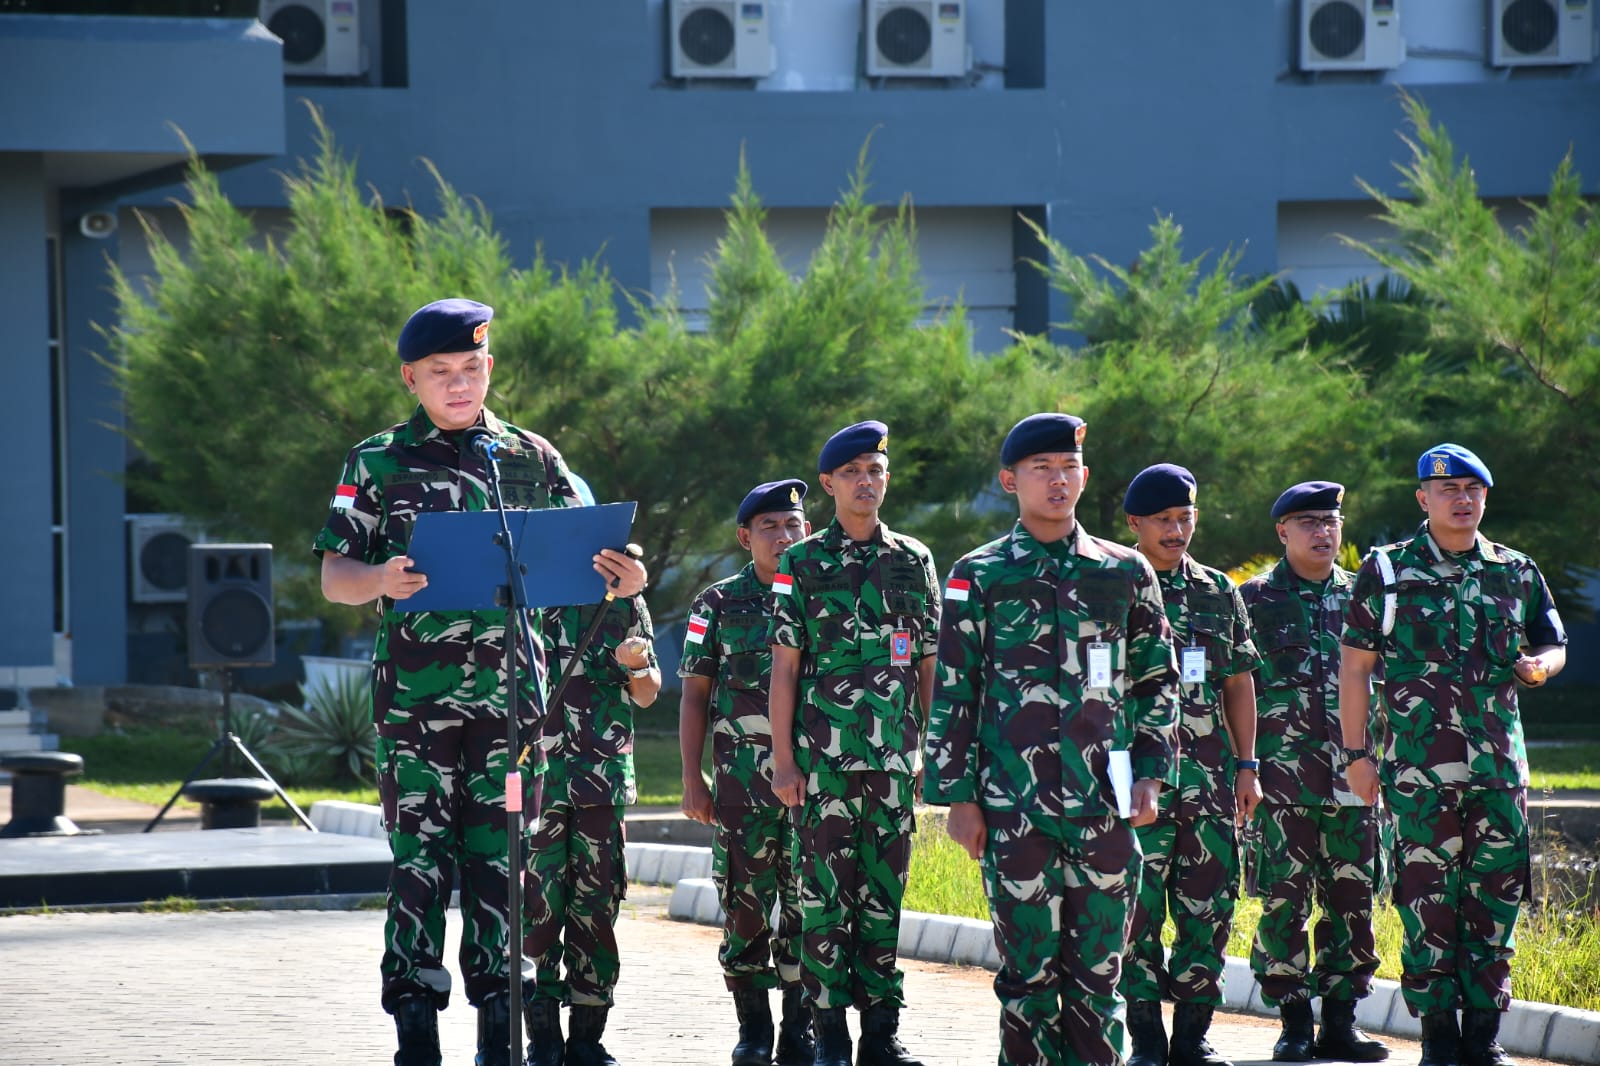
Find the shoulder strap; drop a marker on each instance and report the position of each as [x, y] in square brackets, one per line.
[1386, 571]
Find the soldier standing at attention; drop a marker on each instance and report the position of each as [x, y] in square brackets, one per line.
[855, 621]
[577, 873]
[1458, 623]
[1053, 651]
[440, 678]
[1318, 842]
[725, 666]
[1191, 854]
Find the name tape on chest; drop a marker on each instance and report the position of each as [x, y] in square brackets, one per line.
[957, 589]
[344, 498]
[697, 628]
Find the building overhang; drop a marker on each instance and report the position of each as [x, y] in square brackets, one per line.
[113, 103]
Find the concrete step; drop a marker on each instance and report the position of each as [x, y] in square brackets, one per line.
[16, 719]
[22, 741]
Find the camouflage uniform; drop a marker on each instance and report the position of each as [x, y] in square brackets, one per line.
[752, 852]
[1316, 842]
[1191, 855]
[439, 700]
[1017, 729]
[863, 615]
[577, 876]
[1456, 770]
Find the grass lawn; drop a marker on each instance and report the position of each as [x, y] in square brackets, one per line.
[1572, 764]
[1558, 947]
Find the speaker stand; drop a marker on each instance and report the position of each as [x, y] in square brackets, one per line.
[227, 744]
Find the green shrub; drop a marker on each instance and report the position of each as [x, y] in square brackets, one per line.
[334, 731]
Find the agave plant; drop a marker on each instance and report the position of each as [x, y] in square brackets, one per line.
[334, 728]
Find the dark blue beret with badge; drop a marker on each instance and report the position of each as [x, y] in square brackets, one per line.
[850, 442]
[1156, 488]
[1449, 461]
[1044, 432]
[445, 326]
[1309, 496]
[770, 496]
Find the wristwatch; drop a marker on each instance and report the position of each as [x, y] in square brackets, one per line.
[643, 671]
[1353, 754]
[1247, 764]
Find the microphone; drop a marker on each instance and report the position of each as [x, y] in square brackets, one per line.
[480, 440]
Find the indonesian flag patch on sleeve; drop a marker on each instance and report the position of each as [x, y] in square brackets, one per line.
[344, 498]
[698, 624]
[783, 584]
[957, 588]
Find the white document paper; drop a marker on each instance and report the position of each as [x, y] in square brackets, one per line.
[1119, 767]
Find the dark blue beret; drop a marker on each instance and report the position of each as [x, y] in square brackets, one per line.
[850, 442]
[1309, 496]
[1156, 488]
[1046, 432]
[445, 326]
[1451, 460]
[772, 496]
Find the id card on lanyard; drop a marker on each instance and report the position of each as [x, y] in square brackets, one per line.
[1193, 666]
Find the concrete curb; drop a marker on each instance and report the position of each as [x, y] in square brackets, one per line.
[1527, 1029]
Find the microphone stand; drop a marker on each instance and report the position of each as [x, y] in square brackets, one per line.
[516, 613]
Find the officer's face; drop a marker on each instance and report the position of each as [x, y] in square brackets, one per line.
[451, 386]
[858, 487]
[1047, 485]
[1454, 505]
[768, 535]
[1311, 541]
[1165, 536]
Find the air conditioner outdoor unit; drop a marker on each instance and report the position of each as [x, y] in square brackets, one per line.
[1350, 35]
[320, 37]
[720, 39]
[917, 39]
[158, 557]
[1530, 33]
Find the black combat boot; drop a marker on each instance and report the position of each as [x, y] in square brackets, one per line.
[880, 1041]
[1478, 1044]
[543, 1020]
[1190, 1023]
[494, 1031]
[795, 1046]
[1294, 1043]
[416, 1023]
[585, 1027]
[1341, 1039]
[1148, 1032]
[833, 1036]
[755, 1027]
[1441, 1040]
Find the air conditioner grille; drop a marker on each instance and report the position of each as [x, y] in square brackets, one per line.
[164, 561]
[1529, 26]
[1337, 29]
[706, 37]
[904, 36]
[304, 36]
